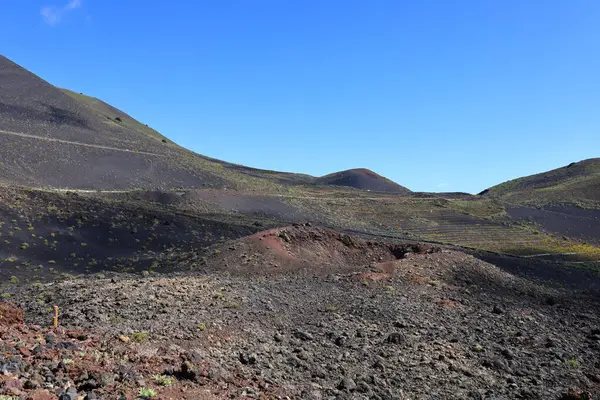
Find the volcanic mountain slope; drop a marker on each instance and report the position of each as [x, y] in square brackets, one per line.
[576, 182]
[48, 138]
[57, 138]
[362, 179]
[564, 201]
[51, 137]
[128, 122]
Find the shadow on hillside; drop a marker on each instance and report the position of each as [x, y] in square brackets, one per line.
[111, 238]
[43, 113]
[563, 220]
[547, 272]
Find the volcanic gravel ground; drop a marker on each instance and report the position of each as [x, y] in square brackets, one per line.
[562, 220]
[438, 326]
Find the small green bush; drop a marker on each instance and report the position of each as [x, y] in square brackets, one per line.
[146, 393]
[163, 380]
[139, 337]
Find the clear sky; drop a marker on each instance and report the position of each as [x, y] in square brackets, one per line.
[447, 95]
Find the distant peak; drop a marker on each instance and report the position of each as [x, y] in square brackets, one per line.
[362, 179]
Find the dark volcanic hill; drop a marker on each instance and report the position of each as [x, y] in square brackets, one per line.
[362, 179]
[52, 137]
[576, 181]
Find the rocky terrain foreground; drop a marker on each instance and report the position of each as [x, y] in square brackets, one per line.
[322, 316]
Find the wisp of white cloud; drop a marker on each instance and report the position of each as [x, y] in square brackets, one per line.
[73, 4]
[53, 14]
[443, 185]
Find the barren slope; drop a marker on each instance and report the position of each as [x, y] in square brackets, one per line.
[50, 138]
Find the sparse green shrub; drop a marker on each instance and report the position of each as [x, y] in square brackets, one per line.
[146, 393]
[572, 363]
[163, 380]
[14, 280]
[231, 304]
[478, 348]
[139, 337]
[202, 326]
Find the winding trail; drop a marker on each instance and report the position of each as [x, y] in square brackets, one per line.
[96, 146]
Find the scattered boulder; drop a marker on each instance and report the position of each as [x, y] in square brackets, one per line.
[305, 336]
[347, 384]
[395, 338]
[497, 310]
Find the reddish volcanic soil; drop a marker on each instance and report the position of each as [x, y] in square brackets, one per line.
[315, 249]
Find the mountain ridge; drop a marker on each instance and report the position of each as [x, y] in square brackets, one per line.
[54, 137]
[576, 181]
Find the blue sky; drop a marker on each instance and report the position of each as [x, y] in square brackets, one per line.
[437, 95]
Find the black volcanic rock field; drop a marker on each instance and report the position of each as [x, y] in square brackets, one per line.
[178, 276]
[443, 325]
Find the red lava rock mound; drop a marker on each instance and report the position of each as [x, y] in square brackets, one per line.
[10, 315]
[300, 245]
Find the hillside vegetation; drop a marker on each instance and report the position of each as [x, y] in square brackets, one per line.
[575, 183]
